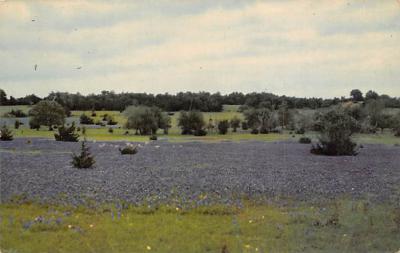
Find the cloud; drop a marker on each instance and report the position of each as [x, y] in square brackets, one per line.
[303, 48]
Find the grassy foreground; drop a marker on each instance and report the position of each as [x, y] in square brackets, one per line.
[342, 226]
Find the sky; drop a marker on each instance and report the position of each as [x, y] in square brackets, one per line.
[295, 48]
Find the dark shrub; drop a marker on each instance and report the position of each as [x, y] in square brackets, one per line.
[223, 126]
[16, 113]
[300, 131]
[94, 113]
[110, 130]
[5, 134]
[200, 132]
[276, 131]
[83, 161]
[105, 117]
[235, 123]
[129, 150]
[244, 125]
[83, 130]
[78, 129]
[17, 123]
[33, 124]
[335, 139]
[67, 134]
[264, 130]
[153, 137]
[171, 113]
[86, 120]
[305, 140]
[126, 133]
[254, 131]
[48, 113]
[111, 121]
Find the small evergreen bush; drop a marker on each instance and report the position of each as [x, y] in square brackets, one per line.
[305, 140]
[200, 132]
[300, 131]
[83, 161]
[153, 137]
[84, 119]
[129, 150]
[5, 134]
[110, 130]
[66, 133]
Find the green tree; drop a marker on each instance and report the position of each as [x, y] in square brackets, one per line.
[356, 95]
[235, 123]
[223, 126]
[3, 97]
[48, 113]
[335, 137]
[191, 122]
[146, 120]
[371, 95]
[67, 133]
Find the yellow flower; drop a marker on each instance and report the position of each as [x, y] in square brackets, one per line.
[177, 209]
[247, 246]
[250, 221]
[91, 225]
[148, 247]
[69, 226]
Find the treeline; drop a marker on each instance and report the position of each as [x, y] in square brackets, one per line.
[202, 101]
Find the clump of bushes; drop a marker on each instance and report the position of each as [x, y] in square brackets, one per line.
[153, 137]
[335, 139]
[84, 119]
[84, 160]
[16, 113]
[300, 131]
[304, 140]
[110, 130]
[94, 113]
[264, 130]
[66, 133]
[129, 150]
[5, 134]
[192, 122]
[223, 126]
[244, 125]
[254, 131]
[33, 124]
[235, 123]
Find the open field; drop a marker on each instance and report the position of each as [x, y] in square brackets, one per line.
[337, 226]
[223, 170]
[246, 197]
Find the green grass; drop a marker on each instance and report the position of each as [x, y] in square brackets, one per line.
[7, 108]
[339, 226]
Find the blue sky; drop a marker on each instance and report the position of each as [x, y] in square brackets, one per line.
[299, 48]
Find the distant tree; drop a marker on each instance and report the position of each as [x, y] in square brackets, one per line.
[374, 110]
[284, 115]
[191, 122]
[356, 95]
[396, 125]
[371, 95]
[146, 120]
[223, 127]
[335, 138]
[235, 123]
[86, 120]
[48, 113]
[5, 134]
[3, 97]
[259, 119]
